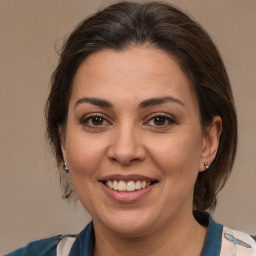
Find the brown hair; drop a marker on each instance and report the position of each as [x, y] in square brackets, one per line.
[165, 27]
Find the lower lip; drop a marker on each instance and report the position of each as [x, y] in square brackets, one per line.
[126, 197]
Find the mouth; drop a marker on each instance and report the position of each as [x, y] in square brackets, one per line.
[130, 183]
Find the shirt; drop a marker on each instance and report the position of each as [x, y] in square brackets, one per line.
[219, 241]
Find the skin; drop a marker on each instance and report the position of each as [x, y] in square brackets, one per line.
[126, 139]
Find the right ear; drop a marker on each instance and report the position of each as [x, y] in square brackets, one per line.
[62, 135]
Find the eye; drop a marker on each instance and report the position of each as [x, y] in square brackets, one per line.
[94, 120]
[161, 120]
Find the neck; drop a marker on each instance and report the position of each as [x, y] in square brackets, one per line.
[180, 238]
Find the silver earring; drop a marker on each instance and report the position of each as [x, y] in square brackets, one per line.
[66, 168]
[207, 165]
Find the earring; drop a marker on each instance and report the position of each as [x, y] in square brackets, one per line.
[207, 165]
[66, 168]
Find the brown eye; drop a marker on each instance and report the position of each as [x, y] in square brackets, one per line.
[160, 120]
[97, 120]
[94, 121]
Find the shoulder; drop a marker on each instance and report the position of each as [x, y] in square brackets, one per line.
[47, 246]
[223, 241]
[238, 242]
[61, 245]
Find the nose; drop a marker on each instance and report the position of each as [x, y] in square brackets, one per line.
[126, 146]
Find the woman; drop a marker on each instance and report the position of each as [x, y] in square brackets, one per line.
[142, 119]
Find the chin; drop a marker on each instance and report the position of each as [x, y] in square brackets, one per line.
[128, 224]
[130, 231]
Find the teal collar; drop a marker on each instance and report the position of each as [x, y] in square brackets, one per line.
[84, 243]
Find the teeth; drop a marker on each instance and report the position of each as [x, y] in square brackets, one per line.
[115, 185]
[130, 186]
[127, 186]
[138, 185]
[109, 183]
[122, 186]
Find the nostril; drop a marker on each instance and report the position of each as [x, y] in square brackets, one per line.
[124, 160]
[125, 148]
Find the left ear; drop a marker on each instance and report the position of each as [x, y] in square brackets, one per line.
[210, 142]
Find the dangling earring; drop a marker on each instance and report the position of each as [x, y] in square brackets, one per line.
[207, 165]
[66, 168]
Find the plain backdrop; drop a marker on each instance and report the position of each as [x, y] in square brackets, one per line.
[30, 30]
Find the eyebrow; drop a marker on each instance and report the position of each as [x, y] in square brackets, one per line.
[158, 101]
[94, 101]
[143, 104]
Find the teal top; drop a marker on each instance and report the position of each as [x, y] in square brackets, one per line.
[84, 242]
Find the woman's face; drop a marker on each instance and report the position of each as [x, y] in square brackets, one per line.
[133, 140]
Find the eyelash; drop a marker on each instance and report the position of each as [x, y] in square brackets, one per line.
[86, 119]
[170, 120]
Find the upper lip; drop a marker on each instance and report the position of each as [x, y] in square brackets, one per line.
[134, 177]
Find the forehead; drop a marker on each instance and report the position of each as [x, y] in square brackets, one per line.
[137, 72]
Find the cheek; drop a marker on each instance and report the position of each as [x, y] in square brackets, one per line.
[179, 165]
[178, 155]
[83, 154]
[84, 157]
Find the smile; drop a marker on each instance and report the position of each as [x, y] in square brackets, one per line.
[130, 186]
[127, 183]
[127, 188]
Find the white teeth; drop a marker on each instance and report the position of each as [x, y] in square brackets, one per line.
[138, 184]
[127, 186]
[109, 184]
[115, 185]
[130, 186]
[122, 186]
